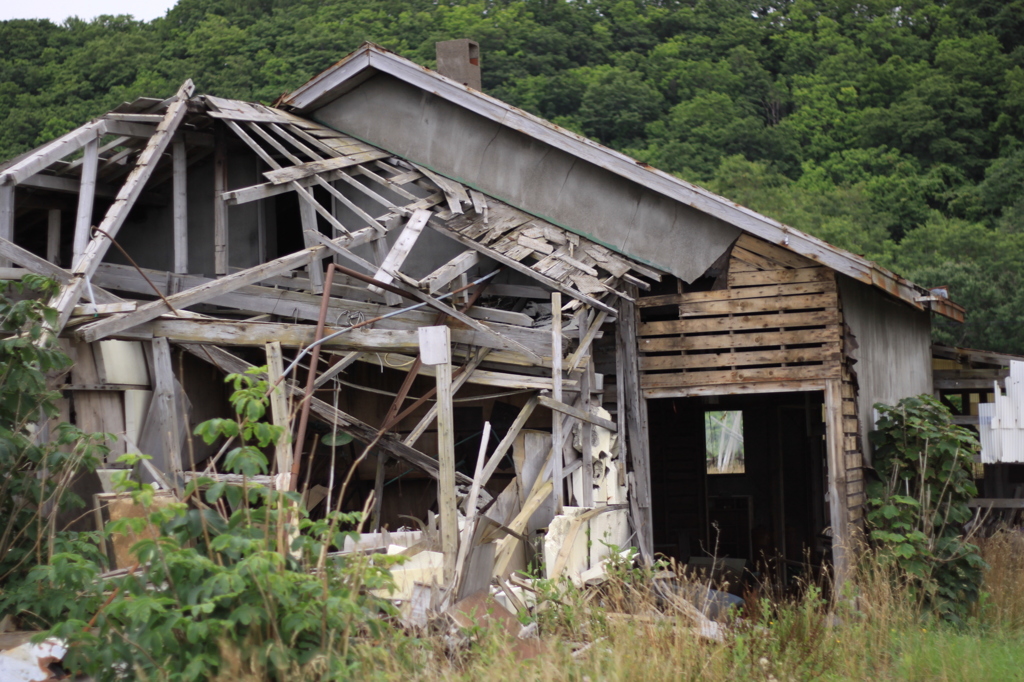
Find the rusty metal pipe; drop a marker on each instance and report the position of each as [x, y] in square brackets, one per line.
[314, 358]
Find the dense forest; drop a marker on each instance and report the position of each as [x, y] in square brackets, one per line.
[893, 129]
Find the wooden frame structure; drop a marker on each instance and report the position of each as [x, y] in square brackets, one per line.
[580, 334]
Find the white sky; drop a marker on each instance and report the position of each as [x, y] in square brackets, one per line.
[59, 10]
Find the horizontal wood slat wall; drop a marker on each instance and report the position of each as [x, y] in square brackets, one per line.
[777, 320]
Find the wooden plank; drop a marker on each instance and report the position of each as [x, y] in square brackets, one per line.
[841, 548]
[164, 407]
[465, 375]
[773, 290]
[279, 408]
[53, 236]
[52, 152]
[40, 266]
[361, 431]
[516, 265]
[779, 254]
[830, 371]
[6, 219]
[743, 340]
[179, 200]
[586, 341]
[586, 399]
[401, 250]
[752, 259]
[304, 170]
[764, 277]
[221, 248]
[154, 309]
[743, 388]
[556, 393]
[69, 294]
[633, 418]
[441, 277]
[307, 215]
[435, 349]
[571, 411]
[996, 503]
[825, 353]
[86, 197]
[742, 322]
[510, 437]
[758, 305]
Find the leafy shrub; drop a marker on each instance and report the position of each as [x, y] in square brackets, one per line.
[234, 581]
[35, 475]
[918, 509]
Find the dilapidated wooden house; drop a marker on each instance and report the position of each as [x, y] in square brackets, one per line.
[681, 373]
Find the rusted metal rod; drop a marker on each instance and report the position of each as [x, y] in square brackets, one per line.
[314, 358]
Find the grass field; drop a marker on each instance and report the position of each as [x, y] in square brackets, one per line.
[876, 633]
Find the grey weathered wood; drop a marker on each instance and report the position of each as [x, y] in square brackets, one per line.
[464, 376]
[586, 426]
[435, 349]
[179, 200]
[53, 236]
[40, 266]
[837, 501]
[586, 341]
[401, 250]
[69, 294]
[167, 412]
[86, 198]
[305, 170]
[577, 413]
[201, 293]
[520, 267]
[441, 277]
[510, 438]
[316, 237]
[556, 392]
[279, 408]
[52, 152]
[337, 368]
[634, 418]
[309, 231]
[305, 194]
[361, 431]
[221, 241]
[6, 219]
[498, 337]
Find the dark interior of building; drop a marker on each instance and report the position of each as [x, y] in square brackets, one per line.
[765, 504]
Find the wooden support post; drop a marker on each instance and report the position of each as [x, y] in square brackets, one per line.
[556, 394]
[164, 394]
[316, 271]
[279, 411]
[221, 247]
[179, 192]
[435, 350]
[53, 236]
[633, 417]
[378, 492]
[837, 503]
[6, 218]
[86, 196]
[586, 428]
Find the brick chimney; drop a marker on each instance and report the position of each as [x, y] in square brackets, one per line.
[460, 61]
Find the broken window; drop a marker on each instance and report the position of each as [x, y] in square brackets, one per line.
[723, 439]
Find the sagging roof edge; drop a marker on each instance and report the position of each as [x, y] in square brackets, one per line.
[370, 58]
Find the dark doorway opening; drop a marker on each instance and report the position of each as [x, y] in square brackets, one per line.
[741, 478]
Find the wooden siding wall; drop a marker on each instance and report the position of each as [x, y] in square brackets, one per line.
[852, 450]
[774, 326]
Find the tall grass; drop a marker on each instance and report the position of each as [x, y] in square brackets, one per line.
[872, 631]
